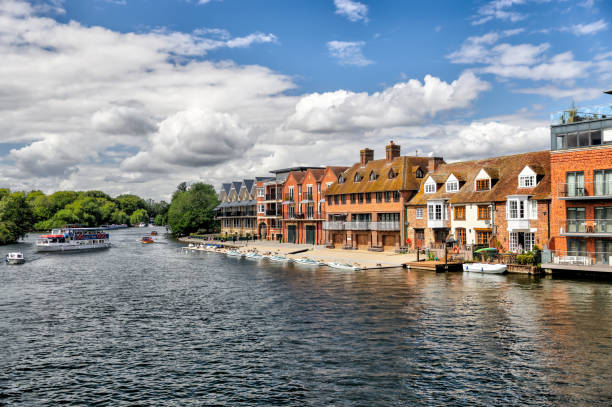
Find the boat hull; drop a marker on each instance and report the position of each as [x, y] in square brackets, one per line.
[485, 268]
[15, 261]
[63, 247]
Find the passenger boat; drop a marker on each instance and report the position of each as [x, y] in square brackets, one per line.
[72, 239]
[14, 258]
[485, 268]
[344, 266]
[147, 240]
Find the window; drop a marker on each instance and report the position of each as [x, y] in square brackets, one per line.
[483, 184]
[534, 209]
[483, 236]
[329, 200]
[353, 198]
[291, 193]
[419, 234]
[309, 192]
[460, 236]
[436, 212]
[340, 179]
[260, 192]
[373, 176]
[576, 220]
[603, 182]
[336, 199]
[430, 187]
[291, 211]
[581, 139]
[572, 140]
[388, 217]
[419, 213]
[368, 197]
[379, 197]
[452, 186]
[387, 196]
[319, 189]
[310, 211]
[484, 212]
[360, 198]
[260, 209]
[459, 212]
[575, 183]
[603, 219]
[527, 181]
[343, 197]
[419, 173]
[576, 247]
[560, 141]
[392, 174]
[319, 208]
[357, 177]
[396, 196]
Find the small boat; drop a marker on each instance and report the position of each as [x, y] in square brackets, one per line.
[308, 262]
[14, 258]
[253, 256]
[142, 225]
[146, 240]
[154, 233]
[344, 266]
[280, 259]
[485, 268]
[234, 253]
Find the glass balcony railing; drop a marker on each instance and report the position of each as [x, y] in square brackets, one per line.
[585, 190]
[586, 226]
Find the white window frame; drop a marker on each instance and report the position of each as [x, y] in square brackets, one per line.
[534, 209]
[419, 213]
[452, 186]
[260, 192]
[261, 208]
[527, 181]
[437, 211]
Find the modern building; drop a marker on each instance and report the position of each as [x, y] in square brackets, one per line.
[581, 175]
[501, 202]
[366, 203]
[237, 210]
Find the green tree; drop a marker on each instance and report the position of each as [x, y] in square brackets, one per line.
[139, 215]
[60, 199]
[192, 209]
[119, 218]
[16, 217]
[130, 203]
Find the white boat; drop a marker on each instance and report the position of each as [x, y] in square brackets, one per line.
[254, 256]
[142, 225]
[344, 266]
[73, 239]
[14, 258]
[280, 259]
[308, 262]
[485, 268]
[234, 253]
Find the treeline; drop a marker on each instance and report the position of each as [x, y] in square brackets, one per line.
[21, 212]
[190, 211]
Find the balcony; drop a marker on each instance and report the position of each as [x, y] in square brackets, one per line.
[360, 225]
[272, 197]
[272, 212]
[578, 261]
[438, 223]
[518, 224]
[288, 199]
[333, 225]
[385, 226]
[586, 228]
[584, 191]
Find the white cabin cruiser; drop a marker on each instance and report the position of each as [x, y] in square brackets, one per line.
[485, 268]
[73, 239]
[14, 258]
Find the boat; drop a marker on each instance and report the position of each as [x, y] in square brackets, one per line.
[73, 239]
[280, 259]
[485, 268]
[142, 225]
[254, 256]
[308, 262]
[147, 240]
[14, 258]
[154, 233]
[234, 253]
[344, 266]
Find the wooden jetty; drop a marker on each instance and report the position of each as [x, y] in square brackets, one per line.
[434, 265]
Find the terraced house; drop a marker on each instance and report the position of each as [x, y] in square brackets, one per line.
[366, 203]
[502, 202]
[237, 210]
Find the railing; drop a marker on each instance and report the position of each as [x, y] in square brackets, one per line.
[584, 189]
[273, 197]
[288, 198]
[236, 214]
[333, 225]
[586, 226]
[357, 225]
[385, 225]
[271, 212]
[580, 258]
[295, 216]
[581, 114]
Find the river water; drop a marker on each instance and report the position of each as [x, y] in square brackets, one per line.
[146, 325]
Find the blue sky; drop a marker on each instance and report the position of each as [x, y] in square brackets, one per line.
[247, 86]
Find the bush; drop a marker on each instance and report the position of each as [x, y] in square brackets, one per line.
[527, 258]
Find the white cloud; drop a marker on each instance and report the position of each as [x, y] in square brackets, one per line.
[352, 10]
[587, 29]
[498, 9]
[560, 66]
[404, 104]
[348, 53]
[577, 94]
[475, 50]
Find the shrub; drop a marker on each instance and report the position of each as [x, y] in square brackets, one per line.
[526, 258]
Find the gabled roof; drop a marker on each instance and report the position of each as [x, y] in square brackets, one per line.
[226, 187]
[317, 174]
[264, 179]
[237, 185]
[402, 166]
[248, 183]
[337, 170]
[298, 176]
[503, 169]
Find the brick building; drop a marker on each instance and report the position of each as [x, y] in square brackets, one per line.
[365, 204]
[237, 210]
[581, 176]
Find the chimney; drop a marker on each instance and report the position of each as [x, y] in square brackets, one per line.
[393, 151]
[366, 155]
[433, 163]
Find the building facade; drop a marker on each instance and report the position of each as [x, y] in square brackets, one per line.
[581, 168]
[237, 209]
[365, 204]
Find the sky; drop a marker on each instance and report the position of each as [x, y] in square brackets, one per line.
[137, 96]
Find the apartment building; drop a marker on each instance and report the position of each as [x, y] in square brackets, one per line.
[366, 203]
[581, 175]
[237, 210]
[501, 202]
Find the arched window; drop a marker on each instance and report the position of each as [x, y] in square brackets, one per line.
[357, 177]
[373, 176]
[340, 179]
[419, 173]
[392, 174]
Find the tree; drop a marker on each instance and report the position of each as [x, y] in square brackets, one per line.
[119, 218]
[130, 203]
[192, 209]
[139, 215]
[15, 217]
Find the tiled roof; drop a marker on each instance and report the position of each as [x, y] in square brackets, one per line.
[338, 169]
[402, 167]
[227, 187]
[503, 169]
[248, 183]
[318, 174]
[298, 176]
[237, 185]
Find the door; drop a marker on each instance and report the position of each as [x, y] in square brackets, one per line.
[389, 242]
[291, 233]
[363, 241]
[339, 240]
[310, 235]
[263, 234]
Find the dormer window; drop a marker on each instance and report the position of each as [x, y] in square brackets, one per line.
[373, 176]
[452, 186]
[483, 184]
[340, 179]
[392, 174]
[527, 181]
[430, 188]
[357, 177]
[419, 173]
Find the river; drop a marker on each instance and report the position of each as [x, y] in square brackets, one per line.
[145, 325]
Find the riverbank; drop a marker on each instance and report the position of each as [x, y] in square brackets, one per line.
[363, 258]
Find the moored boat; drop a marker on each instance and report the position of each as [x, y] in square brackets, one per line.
[344, 266]
[485, 268]
[73, 239]
[308, 262]
[14, 258]
[280, 259]
[254, 256]
[147, 240]
[234, 253]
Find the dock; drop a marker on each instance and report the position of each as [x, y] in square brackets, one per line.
[432, 265]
